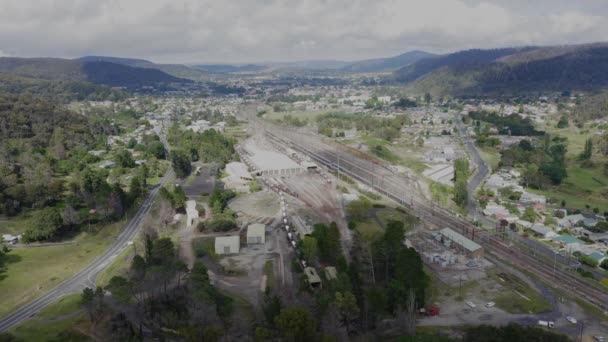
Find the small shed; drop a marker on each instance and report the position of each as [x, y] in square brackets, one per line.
[331, 273]
[312, 277]
[227, 244]
[256, 233]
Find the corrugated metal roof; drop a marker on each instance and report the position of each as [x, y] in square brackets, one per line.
[256, 229]
[458, 238]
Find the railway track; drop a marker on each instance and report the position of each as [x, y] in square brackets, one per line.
[395, 187]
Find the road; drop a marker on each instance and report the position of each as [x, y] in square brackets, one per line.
[86, 277]
[482, 167]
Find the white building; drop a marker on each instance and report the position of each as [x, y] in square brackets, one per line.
[256, 233]
[227, 244]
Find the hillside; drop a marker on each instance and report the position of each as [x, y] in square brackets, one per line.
[387, 64]
[510, 71]
[229, 68]
[177, 70]
[18, 72]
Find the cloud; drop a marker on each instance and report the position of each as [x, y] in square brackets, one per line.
[188, 31]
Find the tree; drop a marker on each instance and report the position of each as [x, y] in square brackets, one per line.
[358, 210]
[46, 225]
[181, 163]
[87, 297]
[563, 122]
[427, 98]
[348, 308]
[529, 215]
[604, 264]
[125, 159]
[296, 324]
[308, 248]
[70, 216]
[157, 149]
[549, 220]
[588, 150]
[121, 289]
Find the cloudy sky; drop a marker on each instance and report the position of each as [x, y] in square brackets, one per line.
[204, 31]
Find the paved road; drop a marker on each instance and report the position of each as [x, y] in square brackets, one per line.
[482, 167]
[86, 277]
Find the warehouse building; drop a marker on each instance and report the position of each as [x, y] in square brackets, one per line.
[227, 244]
[256, 233]
[471, 248]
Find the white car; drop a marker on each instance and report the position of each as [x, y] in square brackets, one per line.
[571, 319]
[490, 304]
[471, 304]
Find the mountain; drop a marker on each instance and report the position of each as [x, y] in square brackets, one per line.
[229, 68]
[119, 75]
[98, 72]
[177, 70]
[387, 64]
[509, 71]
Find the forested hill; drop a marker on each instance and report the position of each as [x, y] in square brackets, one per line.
[510, 71]
[98, 72]
[176, 70]
[389, 63]
[119, 75]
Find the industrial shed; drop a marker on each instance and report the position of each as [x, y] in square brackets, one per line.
[227, 244]
[256, 233]
[470, 247]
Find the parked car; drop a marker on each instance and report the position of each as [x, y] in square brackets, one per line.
[490, 304]
[546, 324]
[571, 319]
[471, 304]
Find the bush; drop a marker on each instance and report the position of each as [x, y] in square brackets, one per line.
[201, 226]
[352, 225]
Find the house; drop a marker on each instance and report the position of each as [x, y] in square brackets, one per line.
[543, 230]
[574, 219]
[227, 244]
[589, 222]
[527, 197]
[97, 153]
[598, 257]
[256, 233]
[314, 281]
[569, 242]
[107, 164]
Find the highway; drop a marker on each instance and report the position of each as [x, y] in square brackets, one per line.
[373, 173]
[86, 277]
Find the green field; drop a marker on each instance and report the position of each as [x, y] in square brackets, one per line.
[33, 271]
[118, 267]
[65, 305]
[519, 297]
[581, 187]
[370, 229]
[46, 330]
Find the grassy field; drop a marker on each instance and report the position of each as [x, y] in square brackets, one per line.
[490, 156]
[519, 298]
[371, 230]
[581, 187]
[118, 267]
[43, 330]
[35, 270]
[63, 306]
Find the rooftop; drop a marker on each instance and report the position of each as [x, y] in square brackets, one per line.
[256, 229]
[312, 275]
[567, 239]
[458, 238]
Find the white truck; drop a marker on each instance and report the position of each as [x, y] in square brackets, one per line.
[546, 324]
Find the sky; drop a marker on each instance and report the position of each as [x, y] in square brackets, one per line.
[231, 31]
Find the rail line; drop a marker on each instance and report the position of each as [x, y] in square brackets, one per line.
[394, 187]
